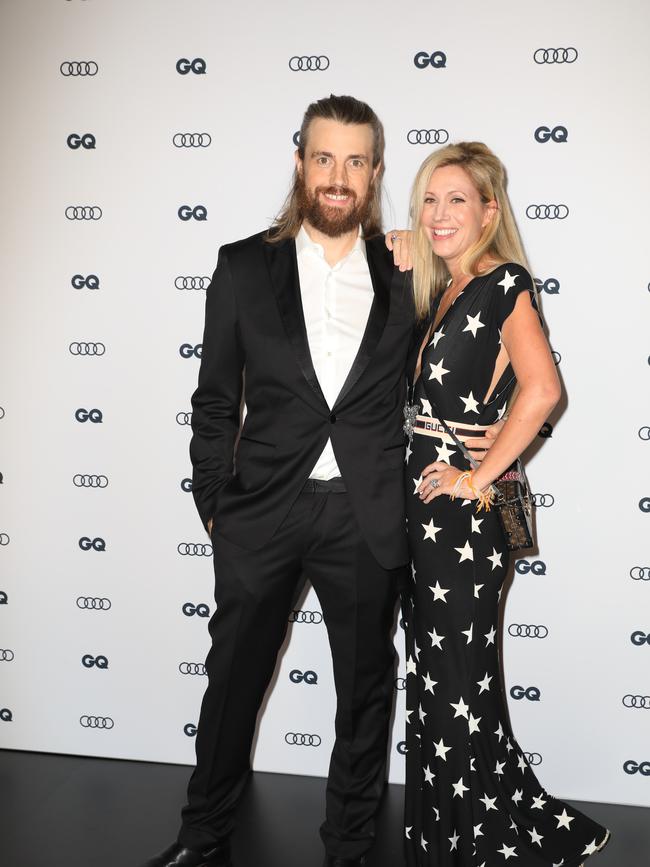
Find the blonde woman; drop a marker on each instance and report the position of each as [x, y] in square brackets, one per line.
[471, 798]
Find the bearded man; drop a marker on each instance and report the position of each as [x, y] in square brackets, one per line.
[315, 314]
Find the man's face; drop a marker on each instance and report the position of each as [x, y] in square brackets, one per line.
[336, 176]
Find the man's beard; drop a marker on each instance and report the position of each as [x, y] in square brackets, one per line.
[331, 220]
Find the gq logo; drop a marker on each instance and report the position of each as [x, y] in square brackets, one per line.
[89, 661]
[438, 60]
[644, 504]
[532, 693]
[93, 415]
[198, 66]
[81, 282]
[309, 677]
[558, 134]
[6, 715]
[639, 638]
[86, 141]
[186, 350]
[551, 286]
[537, 567]
[190, 730]
[632, 767]
[96, 544]
[190, 609]
[199, 213]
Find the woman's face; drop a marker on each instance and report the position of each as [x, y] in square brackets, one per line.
[453, 215]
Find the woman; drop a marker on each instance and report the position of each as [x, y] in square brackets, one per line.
[471, 798]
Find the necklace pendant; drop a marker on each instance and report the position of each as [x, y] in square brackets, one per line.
[411, 411]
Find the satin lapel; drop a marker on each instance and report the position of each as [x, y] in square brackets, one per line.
[283, 267]
[419, 330]
[380, 265]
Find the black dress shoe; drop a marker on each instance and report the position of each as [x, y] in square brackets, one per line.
[335, 861]
[178, 856]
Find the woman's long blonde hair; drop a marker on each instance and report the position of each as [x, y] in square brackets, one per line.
[499, 241]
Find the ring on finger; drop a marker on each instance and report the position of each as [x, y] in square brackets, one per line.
[395, 237]
[434, 483]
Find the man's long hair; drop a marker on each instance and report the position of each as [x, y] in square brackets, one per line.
[348, 110]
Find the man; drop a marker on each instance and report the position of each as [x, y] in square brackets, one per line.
[320, 321]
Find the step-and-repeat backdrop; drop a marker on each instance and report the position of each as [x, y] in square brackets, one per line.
[140, 136]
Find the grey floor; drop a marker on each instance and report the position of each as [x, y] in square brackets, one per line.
[70, 811]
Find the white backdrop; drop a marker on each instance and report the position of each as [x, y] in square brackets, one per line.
[104, 592]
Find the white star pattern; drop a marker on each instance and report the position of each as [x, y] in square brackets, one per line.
[476, 524]
[430, 531]
[508, 851]
[436, 640]
[536, 838]
[426, 407]
[521, 762]
[411, 667]
[428, 775]
[485, 684]
[409, 452]
[441, 750]
[460, 707]
[499, 769]
[564, 820]
[407, 832]
[454, 840]
[422, 713]
[437, 371]
[437, 335]
[495, 558]
[490, 638]
[468, 633]
[489, 803]
[518, 795]
[423, 842]
[429, 684]
[459, 788]
[417, 483]
[499, 731]
[508, 281]
[471, 404]
[466, 552]
[439, 592]
[590, 848]
[473, 724]
[474, 323]
[477, 589]
[477, 830]
[538, 803]
[444, 452]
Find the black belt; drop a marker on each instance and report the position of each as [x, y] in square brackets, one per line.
[325, 486]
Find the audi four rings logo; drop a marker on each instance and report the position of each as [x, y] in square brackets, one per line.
[640, 638]
[199, 213]
[78, 67]
[533, 758]
[427, 136]
[92, 415]
[194, 668]
[547, 212]
[192, 549]
[186, 350]
[84, 348]
[637, 573]
[6, 715]
[637, 701]
[88, 544]
[96, 722]
[551, 286]
[438, 59]
[4, 539]
[85, 481]
[93, 603]
[400, 683]
[537, 567]
[632, 767]
[644, 432]
[312, 63]
[86, 141]
[558, 134]
[190, 730]
[644, 504]
[83, 212]
[298, 739]
[81, 282]
[543, 501]
[297, 676]
[89, 661]
[532, 693]
[192, 140]
[190, 609]
[186, 485]
[305, 617]
[555, 55]
[192, 282]
[184, 418]
[401, 748]
[6, 655]
[527, 630]
[198, 66]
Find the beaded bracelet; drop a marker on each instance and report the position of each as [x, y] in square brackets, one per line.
[485, 498]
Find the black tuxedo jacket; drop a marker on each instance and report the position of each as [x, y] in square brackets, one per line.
[246, 477]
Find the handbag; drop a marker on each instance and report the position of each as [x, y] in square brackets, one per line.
[513, 500]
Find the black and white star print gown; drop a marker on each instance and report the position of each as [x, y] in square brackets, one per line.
[471, 798]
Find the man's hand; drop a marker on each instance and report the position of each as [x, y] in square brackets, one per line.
[478, 447]
[399, 242]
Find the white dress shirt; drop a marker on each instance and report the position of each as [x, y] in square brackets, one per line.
[336, 303]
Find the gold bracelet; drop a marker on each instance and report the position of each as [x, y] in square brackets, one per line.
[485, 498]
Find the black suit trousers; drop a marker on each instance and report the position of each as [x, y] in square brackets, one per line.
[255, 589]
